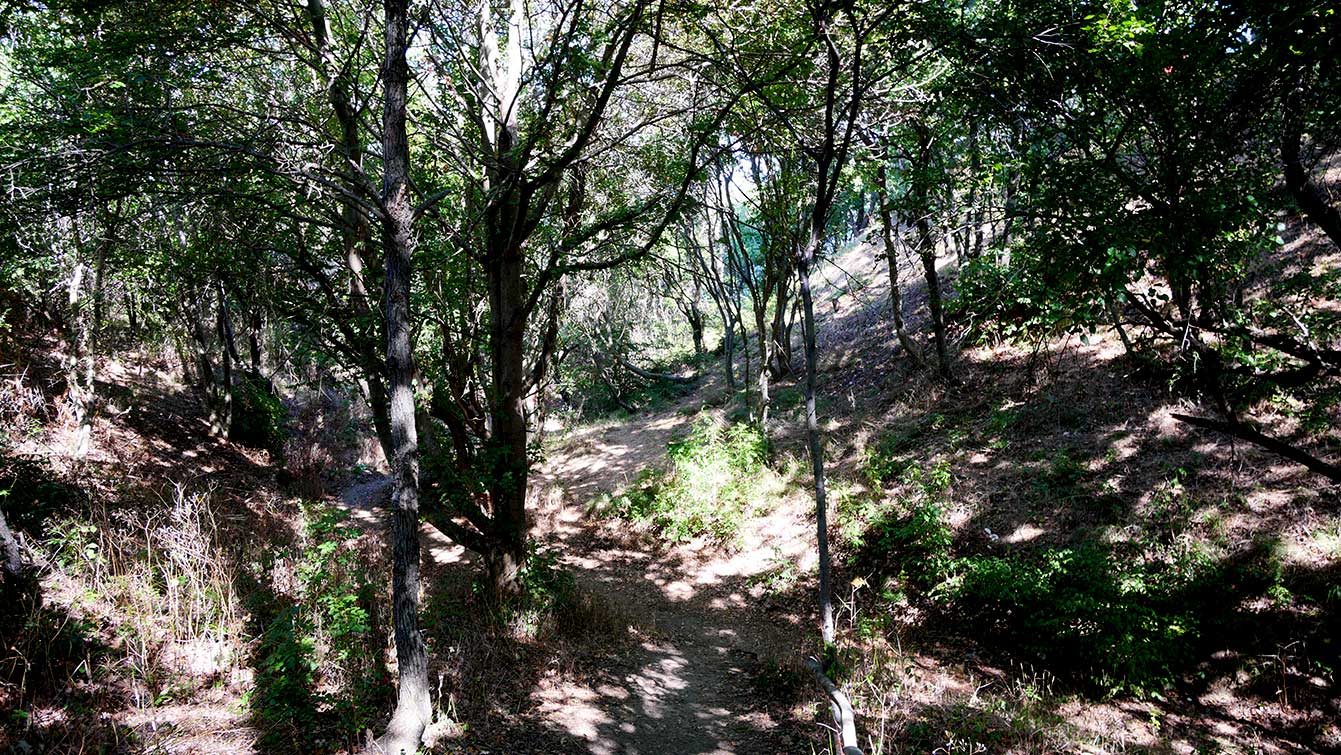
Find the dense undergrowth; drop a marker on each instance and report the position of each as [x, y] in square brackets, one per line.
[314, 609]
[1138, 596]
[718, 477]
[164, 602]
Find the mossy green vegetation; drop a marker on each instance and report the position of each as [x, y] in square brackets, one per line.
[259, 415]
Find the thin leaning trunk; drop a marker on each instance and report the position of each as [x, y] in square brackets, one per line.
[413, 707]
[813, 439]
[765, 399]
[79, 371]
[225, 399]
[895, 287]
[935, 306]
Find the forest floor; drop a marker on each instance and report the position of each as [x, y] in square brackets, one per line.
[684, 678]
[693, 648]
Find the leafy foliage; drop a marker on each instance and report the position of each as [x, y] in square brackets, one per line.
[718, 477]
[259, 415]
[314, 669]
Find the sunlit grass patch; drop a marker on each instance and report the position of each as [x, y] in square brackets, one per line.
[719, 477]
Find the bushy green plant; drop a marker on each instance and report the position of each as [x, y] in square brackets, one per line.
[1123, 621]
[886, 458]
[314, 662]
[258, 415]
[718, 474]
[285, 676]
[1125, 617]
[921, 541]
[548, 592]
[32, 492]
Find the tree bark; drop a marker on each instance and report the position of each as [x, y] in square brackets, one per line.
[16, 574]
[206, 381]
[1312, 200]
[927, 251]
[225, 334]
[892, 258]
[696, 322]
[79, 363]
[813, 435]
[649, 375]
[844, 722]
[508, 475]
[413, 707]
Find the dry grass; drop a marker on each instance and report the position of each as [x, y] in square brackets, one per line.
[139, 609]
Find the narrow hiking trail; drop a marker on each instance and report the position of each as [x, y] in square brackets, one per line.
[701, 633]
[690, 682]
[705, 630]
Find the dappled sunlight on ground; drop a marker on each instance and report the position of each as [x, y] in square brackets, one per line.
[686, 686]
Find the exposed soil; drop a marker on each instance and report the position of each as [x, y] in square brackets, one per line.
[685, 680]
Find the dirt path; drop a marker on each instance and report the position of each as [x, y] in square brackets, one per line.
[687, 683]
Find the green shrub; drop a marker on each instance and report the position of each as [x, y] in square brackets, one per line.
[258, 415]
[718, 474]
[31, 492]
[1124, 622]
[887, 457]
[318, 662]
[548, 593]
[285, 675]
[919, 543]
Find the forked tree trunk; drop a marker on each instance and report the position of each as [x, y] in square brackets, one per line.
[413, 707]
[892, 258]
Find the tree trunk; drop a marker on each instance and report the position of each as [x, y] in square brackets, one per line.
[413, 707]
[225, 400]
[1279, 447]
[15, 575]
[507, 479]
[132, 316]
[254, 340]
[780, 363]
[729, 352]
[813, 436]
[765, 358]
[927, 251]
[696, 323]
[205, 379]
[892, 258]
[1311, 199]
[379, 404]
[79, 365]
